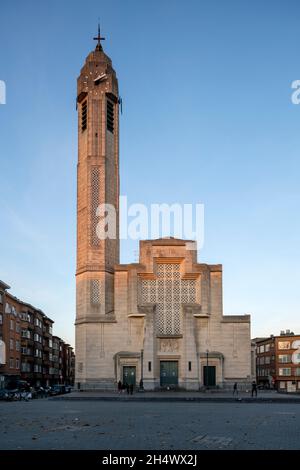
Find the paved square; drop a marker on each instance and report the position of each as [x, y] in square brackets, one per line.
[47, 424]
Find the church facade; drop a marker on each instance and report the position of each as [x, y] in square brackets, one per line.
[158, 322]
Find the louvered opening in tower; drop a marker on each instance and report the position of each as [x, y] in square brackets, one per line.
[84, 116]
[110, 116]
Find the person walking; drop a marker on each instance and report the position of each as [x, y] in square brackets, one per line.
[254, 389]
[119, 387]
[235, 389]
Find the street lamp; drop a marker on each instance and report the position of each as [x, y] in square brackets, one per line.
[141, 387]
[207, 387]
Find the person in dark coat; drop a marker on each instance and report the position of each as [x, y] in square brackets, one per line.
[119, 386]
[235, 389]
[131, 389]
[127, 388]
[254, 389]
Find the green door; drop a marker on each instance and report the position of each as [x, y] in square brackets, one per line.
[129, 375]
[209, 376]
[168, 373]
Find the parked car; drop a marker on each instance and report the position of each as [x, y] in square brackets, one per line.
[4, 394]
[58, 389]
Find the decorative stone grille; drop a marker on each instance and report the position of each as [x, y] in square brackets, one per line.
[168, 291]
[95, 183]
[95, 292]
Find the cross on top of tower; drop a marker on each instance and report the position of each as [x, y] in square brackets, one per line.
[99, 39]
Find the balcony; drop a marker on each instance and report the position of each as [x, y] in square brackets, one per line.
[26, 341]
[28, 358]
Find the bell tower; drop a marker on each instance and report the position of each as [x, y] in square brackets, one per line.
[97, 184]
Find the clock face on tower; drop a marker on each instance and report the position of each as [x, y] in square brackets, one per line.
[100, 78]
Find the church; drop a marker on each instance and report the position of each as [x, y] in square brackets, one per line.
[156, 323]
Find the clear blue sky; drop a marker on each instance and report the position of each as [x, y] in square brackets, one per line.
[208, 118]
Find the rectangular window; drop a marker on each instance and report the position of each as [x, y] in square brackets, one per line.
[18, 329]
[1, 298]
[283, 358]
[17, 363]
[267, 348]
[84, 116]
[37, 338]
[297, 371]
[1, 319]
[110, 116]
[7, 308]
[18, 345]
[285, 371]
[38, 322]
[267, 360]
[11, 344]
[50, 343]
[11, 363]
[12, 325]
[283, 345]
[25, 334]
[25, 367]
[190, 366]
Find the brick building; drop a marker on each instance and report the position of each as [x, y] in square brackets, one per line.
[28, 351]
[278, 362]
[10, 337]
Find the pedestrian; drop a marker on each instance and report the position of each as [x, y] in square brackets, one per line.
[119, 387]
[131, 389]
[254, 389]
[235, 389]
[127, 388]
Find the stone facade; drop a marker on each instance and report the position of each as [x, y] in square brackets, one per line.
[159, 320]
